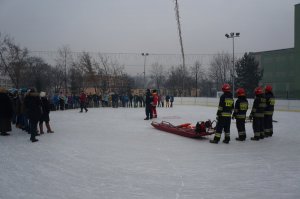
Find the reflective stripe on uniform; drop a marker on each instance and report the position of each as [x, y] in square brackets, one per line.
[226, 114]
[242, 133]
[240, 116]
[256, 133]
[268, 112]
[258, 115]
[218, 135]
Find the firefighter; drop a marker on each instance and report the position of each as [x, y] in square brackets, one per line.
[257, 114]
[268, 117]
[224, 115]
[240, 110]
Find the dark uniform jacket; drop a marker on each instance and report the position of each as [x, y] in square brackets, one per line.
[270, 102]
[225, 105]
[259, 105]
[240, 108]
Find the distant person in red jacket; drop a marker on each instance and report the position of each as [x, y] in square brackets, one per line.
[82, 100]
[154, 103]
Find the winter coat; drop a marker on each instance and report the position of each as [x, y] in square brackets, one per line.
[154, 99]
[6, 112]
[149, 98]
[6, 109]
[33, 106]
[45, 109]
[82, 98]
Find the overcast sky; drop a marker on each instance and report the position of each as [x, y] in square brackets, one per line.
[134, 26]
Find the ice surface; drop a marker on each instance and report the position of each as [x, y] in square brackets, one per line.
[114, 153]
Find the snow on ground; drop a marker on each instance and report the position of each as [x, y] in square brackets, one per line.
[114, 153]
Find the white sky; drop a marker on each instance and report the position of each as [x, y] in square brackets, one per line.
[135, 26]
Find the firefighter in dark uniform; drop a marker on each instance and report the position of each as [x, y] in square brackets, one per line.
[269, 110]
[240, 110]
[257, 114]
[224, 115]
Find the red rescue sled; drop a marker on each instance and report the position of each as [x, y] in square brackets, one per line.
[186, 130]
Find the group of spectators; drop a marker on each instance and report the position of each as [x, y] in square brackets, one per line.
[25, 108]
[59, 101]
[28, 109]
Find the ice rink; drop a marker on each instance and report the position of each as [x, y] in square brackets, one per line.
[113, 153]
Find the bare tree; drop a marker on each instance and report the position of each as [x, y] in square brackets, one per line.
[157, 75]
[12, 59]
[197, 73]
[88, 67]
[112, 75]
[39, 73]
[220, 67]
[176, 80]
[63, 62]
[75, 79]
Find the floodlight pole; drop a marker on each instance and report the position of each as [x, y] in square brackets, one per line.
[232, 35]
[145, 55]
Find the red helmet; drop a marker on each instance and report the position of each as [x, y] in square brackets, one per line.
[268, 88]
[258, 91]
[226, 88]
[240, 92]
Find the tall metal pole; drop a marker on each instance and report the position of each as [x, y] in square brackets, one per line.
[145, 55]
[232, 35]
[233, 67]
[66, 88]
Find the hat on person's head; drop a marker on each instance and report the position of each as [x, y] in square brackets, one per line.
[42, 94]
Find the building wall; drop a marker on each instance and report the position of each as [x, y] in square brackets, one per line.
[282, 67]
[297, 28]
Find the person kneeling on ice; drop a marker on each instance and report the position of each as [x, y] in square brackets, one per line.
[240, 110]
[257, 114]
[224, 115]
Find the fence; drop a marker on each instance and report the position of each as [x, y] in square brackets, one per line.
[280, 105]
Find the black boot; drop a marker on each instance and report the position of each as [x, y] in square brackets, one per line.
[34, 140]
[255, 138]
[4, 134]
[239, 139]
[146, 118]
[215, 140]
[226, 140]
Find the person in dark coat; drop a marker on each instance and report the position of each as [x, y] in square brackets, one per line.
[148, 105]
[33, 107]
[226, 105]
[6, 112]
[45, 115]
